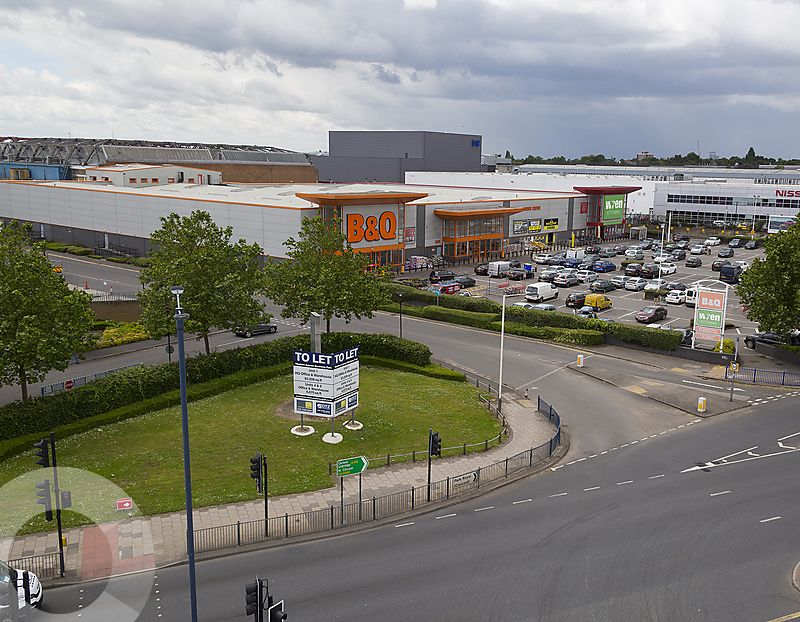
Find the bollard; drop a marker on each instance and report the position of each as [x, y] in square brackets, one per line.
[701, 404]
[581, 359]
[526, 394]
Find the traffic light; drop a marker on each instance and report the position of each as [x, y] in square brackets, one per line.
[42, 452]
[43, 498]
[252, 600]
[275, 613]
[255, 471]
[436, 444]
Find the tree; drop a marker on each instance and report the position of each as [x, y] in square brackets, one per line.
[42, 322]
[323, 274]
[220, 280]
[770, 288]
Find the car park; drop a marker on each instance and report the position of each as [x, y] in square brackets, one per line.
[518, 274]
[593, 249]
[566, 278]
[263, 328]
[539, 292]
[598, 302]
[676, 297]
[586, 312]
[556, 260]
[712, 241]
[572, 262]
[717, 265]
[586, 276]
[648, 271]
[651, 314]
[603, 265]
[655, 285]
[736, 243]
[668, 268]
[698, 249]
[635, 284]
[602, 286]
[633, 269]
[751, 245]
[576, 299]
[670, 246]
[678, 254]
[725, 252]
[646, 243]
[681, 237]
[437, 276]
[730, 274]
[542, 258]
[620, 249]
[464, 281]
[682, 244]
[694, 262]
[548, 275]
[482, 269]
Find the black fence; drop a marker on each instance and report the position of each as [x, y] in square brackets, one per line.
[764, 376]
[46, 566]
[375, 508]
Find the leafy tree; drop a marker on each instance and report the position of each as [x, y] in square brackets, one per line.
[770, 289]
[323, 274]
[42, 322]
[220, 279]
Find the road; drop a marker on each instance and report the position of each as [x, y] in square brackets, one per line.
[626, 535]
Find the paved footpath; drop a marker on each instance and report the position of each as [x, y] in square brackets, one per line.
[153, 541]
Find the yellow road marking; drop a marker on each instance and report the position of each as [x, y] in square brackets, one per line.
[791, 616]
[636, 389]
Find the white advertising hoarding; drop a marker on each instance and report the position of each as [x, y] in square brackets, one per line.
[326, 385]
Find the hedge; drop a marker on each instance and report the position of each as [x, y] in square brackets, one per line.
[728, 346]
[650, 337]
[79, 250]
[432, 371]
[132, 386]
[394, 307]
[537, 317]
[457, 316]
[570, 336]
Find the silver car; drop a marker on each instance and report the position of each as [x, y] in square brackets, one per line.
[636, 284]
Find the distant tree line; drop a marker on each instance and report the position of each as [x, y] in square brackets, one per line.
[750, 160]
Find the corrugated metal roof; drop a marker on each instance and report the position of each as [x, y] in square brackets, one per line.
[262, 156]
[132, 153]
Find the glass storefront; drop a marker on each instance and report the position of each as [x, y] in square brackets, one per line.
[479, 238]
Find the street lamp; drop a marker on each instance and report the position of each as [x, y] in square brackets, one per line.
[400, 299]
[180, 317]
[502, 343]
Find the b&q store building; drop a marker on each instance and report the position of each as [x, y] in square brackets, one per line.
[389, 221]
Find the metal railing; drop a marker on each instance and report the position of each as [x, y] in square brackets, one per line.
[74, 383]
[374, 508]
[764, 376]
[46, 566]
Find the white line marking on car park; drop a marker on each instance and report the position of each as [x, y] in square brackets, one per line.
[581, 459]
[625, 445]
[738, 332]
[593, 456]
[656, 476]
[664, 432]
[522, 501]
[561, 494]
[717, 494]
[633, 442]
[769, 520]
[592, 488]
[445, 516]
[488, 507]
[603, 453]
[630, 481]
[570, 463]
[614, 449]
[405, 524]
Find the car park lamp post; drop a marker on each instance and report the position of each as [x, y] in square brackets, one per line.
[502, 342]
[400, 300]
[180, 317]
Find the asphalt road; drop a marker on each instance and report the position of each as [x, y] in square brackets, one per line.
[625, 535]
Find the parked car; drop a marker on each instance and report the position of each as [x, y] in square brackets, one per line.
[33, 596]
[524, 305]
[619, 281]
[593, 249]
[572, 262]
[712, 241]
[603, 265]
[717, 265]
[678, 254]
[655, 285]
[719, 223]
[676, 297]
[634, 253]
[465, 281]
[662, 258]
[682, 244]
[773, 339]
[725, 252]
[542, 306]
[742, 264]
[567, 278]
[437, 276]
[651, 314]
[620, 249]
[598, 302]
[264, 328]
[548, 275]
[635, 284]
[633, 269]
[586, 276]
[518, 274]
[648, 271]
[602, 286]
[677, 285]
[730, 274]
[539, 292]
[668, 268]
[751, 245]
[646, 243]
[557, 260]
[576, 299]
[482, 269]
[694, 262]
[586, 312]
[542, 258]
[681, 237]
[736, 243]
[607, 253]
[698, 249]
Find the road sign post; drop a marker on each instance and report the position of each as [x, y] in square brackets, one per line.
[345, 467]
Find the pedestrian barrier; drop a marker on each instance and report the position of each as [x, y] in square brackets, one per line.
[74, 383]
[764, 376]
[46, 566]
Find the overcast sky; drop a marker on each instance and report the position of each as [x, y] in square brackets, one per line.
[543, 77]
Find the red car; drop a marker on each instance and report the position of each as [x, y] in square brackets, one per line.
[651, 314]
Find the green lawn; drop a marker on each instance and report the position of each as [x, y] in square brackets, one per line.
[144, 455]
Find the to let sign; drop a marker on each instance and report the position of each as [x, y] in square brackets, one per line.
[351, 466]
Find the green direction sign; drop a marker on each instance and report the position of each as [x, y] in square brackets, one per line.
[710, 319]
[613, 209]
[351, 466]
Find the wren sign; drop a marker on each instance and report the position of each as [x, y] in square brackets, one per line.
[613, 209]
[709, 314]
[325, 385]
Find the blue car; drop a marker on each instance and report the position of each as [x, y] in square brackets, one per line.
[603, 266]
[571, 262]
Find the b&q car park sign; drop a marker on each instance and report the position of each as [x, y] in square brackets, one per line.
[709, 314]
[371, 227]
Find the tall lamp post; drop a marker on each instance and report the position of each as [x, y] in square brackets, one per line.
[502, 343]
[180, 317]
[400, 300]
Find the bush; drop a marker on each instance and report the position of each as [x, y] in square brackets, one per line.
[141, 262]
[795, 349]
[457, 316]
[570, 336]
[119, 259]
[96, 257]
[650, 337]
[433, 371]
[536, 317]
[79, 250]
[59, 247]
[728, 346]
[122, 333]
[657, 293]
[394, 307]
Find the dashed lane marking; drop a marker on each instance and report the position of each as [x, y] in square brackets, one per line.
[717, 494]
[561, 494]
[769, 520]
[488, 507]
[786, 618]
[522, 501]
[629, 481]
[592, 488]
[656, 476]
[405, 524]
[445, 516]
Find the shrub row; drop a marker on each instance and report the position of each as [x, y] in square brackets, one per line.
[118, 334]
[136, 384]
[458, 316]
[570, 336]
[650, 337]
[432, 371]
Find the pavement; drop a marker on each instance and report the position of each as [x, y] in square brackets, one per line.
[148, 542]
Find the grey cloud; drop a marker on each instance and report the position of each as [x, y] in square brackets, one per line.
[385, 75]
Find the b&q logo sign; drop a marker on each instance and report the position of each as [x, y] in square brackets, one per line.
[362, 228]
[711, 300]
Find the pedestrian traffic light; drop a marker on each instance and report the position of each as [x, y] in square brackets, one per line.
[275, 613]
[255, 471]
[252, 600]
[436, 444]
[42, 452]
[43, 498]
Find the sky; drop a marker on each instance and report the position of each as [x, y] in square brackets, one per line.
[543, 77]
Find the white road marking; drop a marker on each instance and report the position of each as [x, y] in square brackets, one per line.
[580, 459]
[625, 445]
[488, 507]
[569, 463]
[603, 453]
[445, 516]
[656, 476]
[736, 453]
[711, 465]
[633, 442]
[405, 524]
[592, 488]
[702, 384]
[555, 468]
[561, 494]
[522, 501]
[593, 456]
[717, 494]
[614, 448]
[664, 432]
[738, 332]
[630, 481]
[769, 520]
[230, 343]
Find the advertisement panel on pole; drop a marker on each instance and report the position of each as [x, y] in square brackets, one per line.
[780, 223]
[325, 385]
[709, 314]
[613, 209]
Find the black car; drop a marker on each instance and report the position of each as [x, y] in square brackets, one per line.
[593, 249]
[725, 252]
[264, 328]
[465, 281]
[681, 237]
[678, 254]
[518, 275]
[646, 244]
[736, 243]
[648, 271]
[633, 269]
[670, 246]
[620, 249]
[515, 263]
[651, 314]
[676, 285]
[602, 286]
[557, 260]
[717, 265]
[772, 339]
[576, 299]
[694, 262]
[437, 276]
[751, 244]
[482, 269]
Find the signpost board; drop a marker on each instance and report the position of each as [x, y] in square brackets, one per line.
[326, 385]
[351, 466]
[124, 504]
[709, 314]
[613, 209]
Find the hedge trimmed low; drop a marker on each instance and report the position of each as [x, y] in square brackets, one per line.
[432, 371]
[458, 316]
[569, 336]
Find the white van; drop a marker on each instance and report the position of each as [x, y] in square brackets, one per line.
[576, 253]
[539, 292]
[499, 268]
[691, 297]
